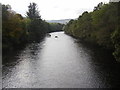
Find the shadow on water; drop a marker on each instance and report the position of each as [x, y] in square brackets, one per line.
[75, 65]
[13, 58]
[104, 64]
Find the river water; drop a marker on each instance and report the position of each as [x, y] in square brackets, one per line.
[60, 63]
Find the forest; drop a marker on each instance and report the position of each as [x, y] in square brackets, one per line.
[17, 30]
[101, 27]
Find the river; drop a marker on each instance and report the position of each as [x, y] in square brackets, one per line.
[60, 62]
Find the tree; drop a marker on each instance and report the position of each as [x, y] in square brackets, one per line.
[97, 27]
[98, 7]
[14, 28]
[116, 41]
[54, 27]
[33, 12]
[36, 28]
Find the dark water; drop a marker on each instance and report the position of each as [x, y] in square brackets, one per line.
[60, 62]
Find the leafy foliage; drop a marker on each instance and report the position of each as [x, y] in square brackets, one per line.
[55, 27]
[98, 26]
[33, 12]
[18, 30]
[116, 41]
[36, 27]
[14, 29]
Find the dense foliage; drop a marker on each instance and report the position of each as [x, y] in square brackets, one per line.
[54, 27]
[116, 41]
[36, 28]
[18, 30]
[13, 28]
[99, 26]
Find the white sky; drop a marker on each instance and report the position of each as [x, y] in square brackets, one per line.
[55, 9]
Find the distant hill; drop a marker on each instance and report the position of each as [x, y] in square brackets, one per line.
[62, 21]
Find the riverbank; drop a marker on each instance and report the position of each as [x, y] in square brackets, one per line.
[101, 26]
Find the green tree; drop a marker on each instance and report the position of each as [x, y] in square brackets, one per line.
[54, 27]
[116, 41]
[14, 28]
[98, 26]
[36, 27]
[33, 12]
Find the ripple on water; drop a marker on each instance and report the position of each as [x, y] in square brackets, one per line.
[60, 62]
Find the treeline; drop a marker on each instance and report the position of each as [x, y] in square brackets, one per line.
[18, 30]
[102, 27]
[54, 27]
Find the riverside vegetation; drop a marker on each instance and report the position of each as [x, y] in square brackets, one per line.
[101, 26]
[18, 30]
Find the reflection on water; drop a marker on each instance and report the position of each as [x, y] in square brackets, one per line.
[60, 63]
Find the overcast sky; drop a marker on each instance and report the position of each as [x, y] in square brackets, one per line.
[55, 9]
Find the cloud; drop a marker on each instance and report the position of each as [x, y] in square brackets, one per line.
[80, 11]
[55, 9]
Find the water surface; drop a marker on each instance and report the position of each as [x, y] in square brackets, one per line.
[60, 62]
